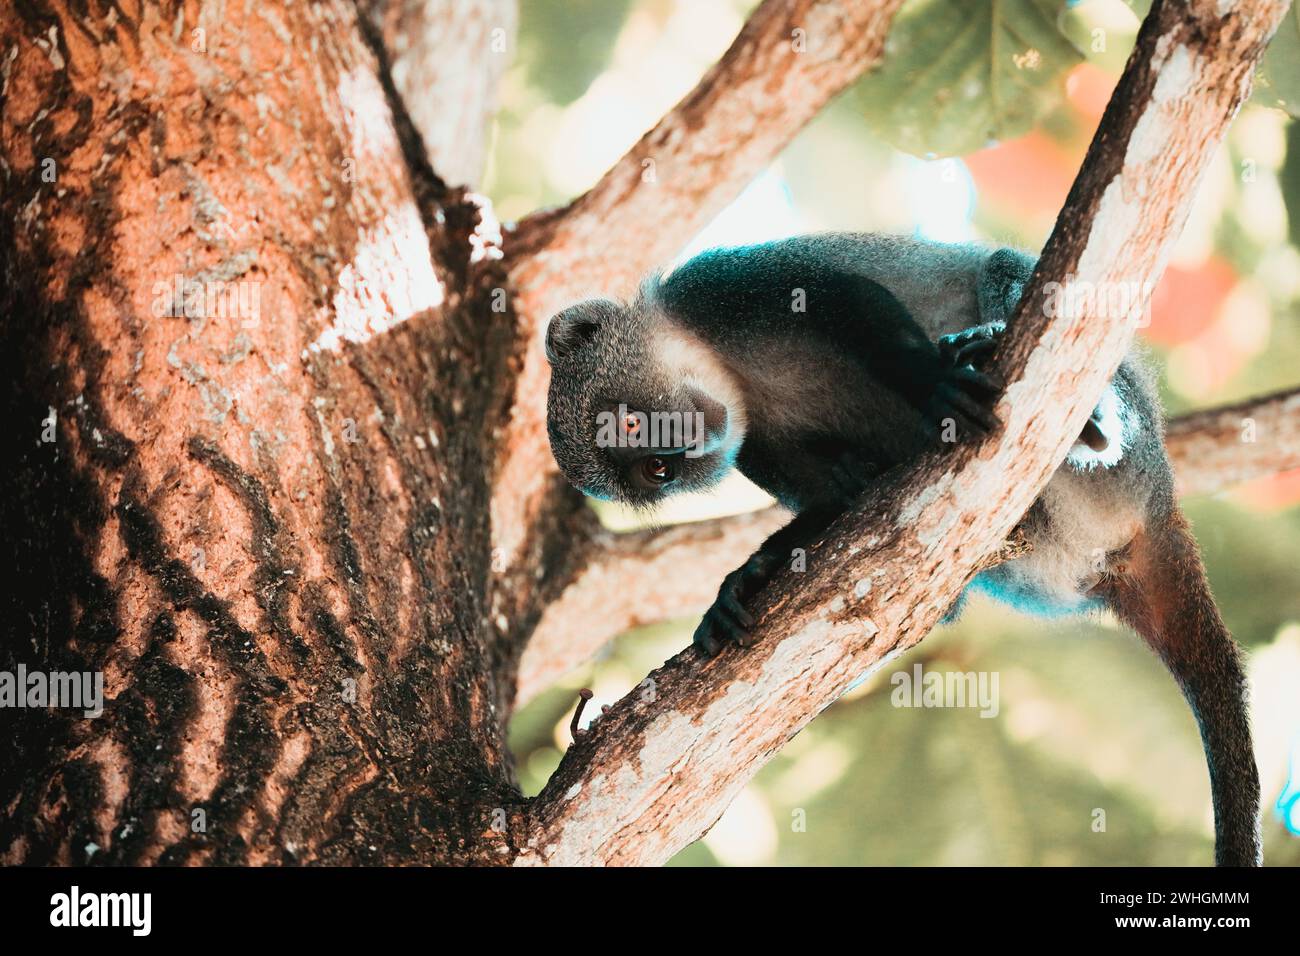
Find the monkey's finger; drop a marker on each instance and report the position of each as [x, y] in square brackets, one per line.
[726, 627]
[975, 409]
[731, 602]
[965, 425]
[970, 352]
[971, 409]
[986, 381]
[969, 424]
[704, 639]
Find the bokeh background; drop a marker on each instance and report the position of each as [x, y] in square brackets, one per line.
[972, 130]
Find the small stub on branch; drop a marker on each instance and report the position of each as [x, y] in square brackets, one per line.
[575, 731]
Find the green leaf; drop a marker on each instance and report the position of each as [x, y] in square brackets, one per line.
[565, 44]
[1104, 29]
[1280, 71]
[959, 75]
[1290, 181]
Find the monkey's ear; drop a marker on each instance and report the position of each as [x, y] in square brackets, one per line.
[573, 328]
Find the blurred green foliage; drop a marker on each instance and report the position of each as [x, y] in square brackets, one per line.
[1290, 181]
[1280, 81]
[564, 44]
[958, 75]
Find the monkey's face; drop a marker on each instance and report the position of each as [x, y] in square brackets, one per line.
[637, 409]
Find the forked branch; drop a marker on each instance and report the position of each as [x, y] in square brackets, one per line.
[660, 767]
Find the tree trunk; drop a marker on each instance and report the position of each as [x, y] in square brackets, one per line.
[263, 513]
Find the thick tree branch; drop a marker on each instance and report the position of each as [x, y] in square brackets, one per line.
[884, 576]
[459, 48]
[791, 57]
[1211, 449]
[1218, 447]
[633, 579]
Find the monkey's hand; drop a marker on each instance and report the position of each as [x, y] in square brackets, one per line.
[965, 394]
[967, 389]
[729, 619]
[848, 474]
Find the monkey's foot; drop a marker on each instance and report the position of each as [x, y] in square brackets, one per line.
[729, 619]
[965, 395]
[971, 346]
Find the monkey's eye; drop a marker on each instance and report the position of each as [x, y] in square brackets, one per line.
[658, 471]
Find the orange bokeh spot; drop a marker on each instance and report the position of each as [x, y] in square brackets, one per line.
[1089, 88]
[1029, 176]
[1272, 493]
[1032, 175]
[1186, 301]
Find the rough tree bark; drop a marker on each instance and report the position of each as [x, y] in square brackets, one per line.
[306, 543]
[270, 532]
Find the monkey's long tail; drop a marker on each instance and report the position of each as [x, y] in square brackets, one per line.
[1164, 595]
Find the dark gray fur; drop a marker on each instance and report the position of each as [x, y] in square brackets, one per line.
[863, 379]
